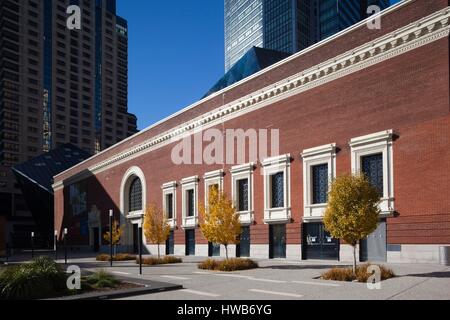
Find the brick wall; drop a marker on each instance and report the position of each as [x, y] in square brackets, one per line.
[396, 19]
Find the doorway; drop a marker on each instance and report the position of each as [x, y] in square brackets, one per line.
[213, 249]
[374, 248]
[170, 244]
[135, 238]
[318, 244]
[277, 246]
[243, 248]
[190, 242]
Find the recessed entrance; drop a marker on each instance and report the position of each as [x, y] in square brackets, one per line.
[374, 248]
[135, 238]
[318, 244]
[190, 242]
[213, 250]
[277, 247]
[243, 248]
[170, 244]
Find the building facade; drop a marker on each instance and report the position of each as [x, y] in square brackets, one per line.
[287, 25]
[58, 85]
[394, 126]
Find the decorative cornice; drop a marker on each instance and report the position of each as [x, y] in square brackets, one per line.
[383, 136]
[327, 149]
[410, 37]
[248, 167]
[190, 180]
[214, 174]
[284, 159]
[169, 185]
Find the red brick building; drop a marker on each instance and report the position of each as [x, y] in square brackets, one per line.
[375, 101]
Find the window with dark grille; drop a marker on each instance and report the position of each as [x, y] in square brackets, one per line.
[169, 206]
[320, 184]
[135, 195]
[243, 194]
[372, 167]
[190, 203]
[277, 181]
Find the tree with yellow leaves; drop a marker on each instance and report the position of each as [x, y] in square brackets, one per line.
[117, 232]
[156, 227]
[353, 212]
[221, 224]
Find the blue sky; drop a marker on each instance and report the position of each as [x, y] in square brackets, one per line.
[176, 54]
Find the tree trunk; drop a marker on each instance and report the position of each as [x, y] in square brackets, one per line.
[158, 252]
[354, 259]
[226, 251]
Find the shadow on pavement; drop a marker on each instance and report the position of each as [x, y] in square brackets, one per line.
[302, 267]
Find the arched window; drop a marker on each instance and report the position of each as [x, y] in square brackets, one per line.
[135, 198]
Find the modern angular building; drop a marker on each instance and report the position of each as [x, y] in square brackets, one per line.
[371, 101]
[287, 25]
[58, 86]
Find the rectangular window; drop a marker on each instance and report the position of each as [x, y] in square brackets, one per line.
[320, 184]
[169, 206]
[190, 203]
[242, 186]
[277, 184]
[372, 167]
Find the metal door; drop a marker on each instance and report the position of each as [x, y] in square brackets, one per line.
[374, 248]
[135, 238]
[170, 244]
[213, 250]
[277, 248]
[190, 242]
[318, 244]
[243, 248]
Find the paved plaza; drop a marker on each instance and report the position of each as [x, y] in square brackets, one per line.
[281, 280]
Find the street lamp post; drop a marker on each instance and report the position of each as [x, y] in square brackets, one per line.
[32, 245]
[111, 237]
[55, 245]
[65, 245]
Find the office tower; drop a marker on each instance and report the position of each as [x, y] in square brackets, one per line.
[334, 16]
[243, 28]
[287, 25]
[58, 85]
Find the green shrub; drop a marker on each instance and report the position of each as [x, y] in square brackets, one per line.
[101, 280]
[228, 265]
[155, 261]
[117, 257]
[346, 274]
[42, 278]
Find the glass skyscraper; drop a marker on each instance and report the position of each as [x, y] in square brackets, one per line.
[243, 28]
[334, 16]
[287, 25]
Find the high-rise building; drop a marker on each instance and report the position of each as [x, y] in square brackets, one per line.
[59, 85]
[243, 28]
[287, 25]
[334, 16]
